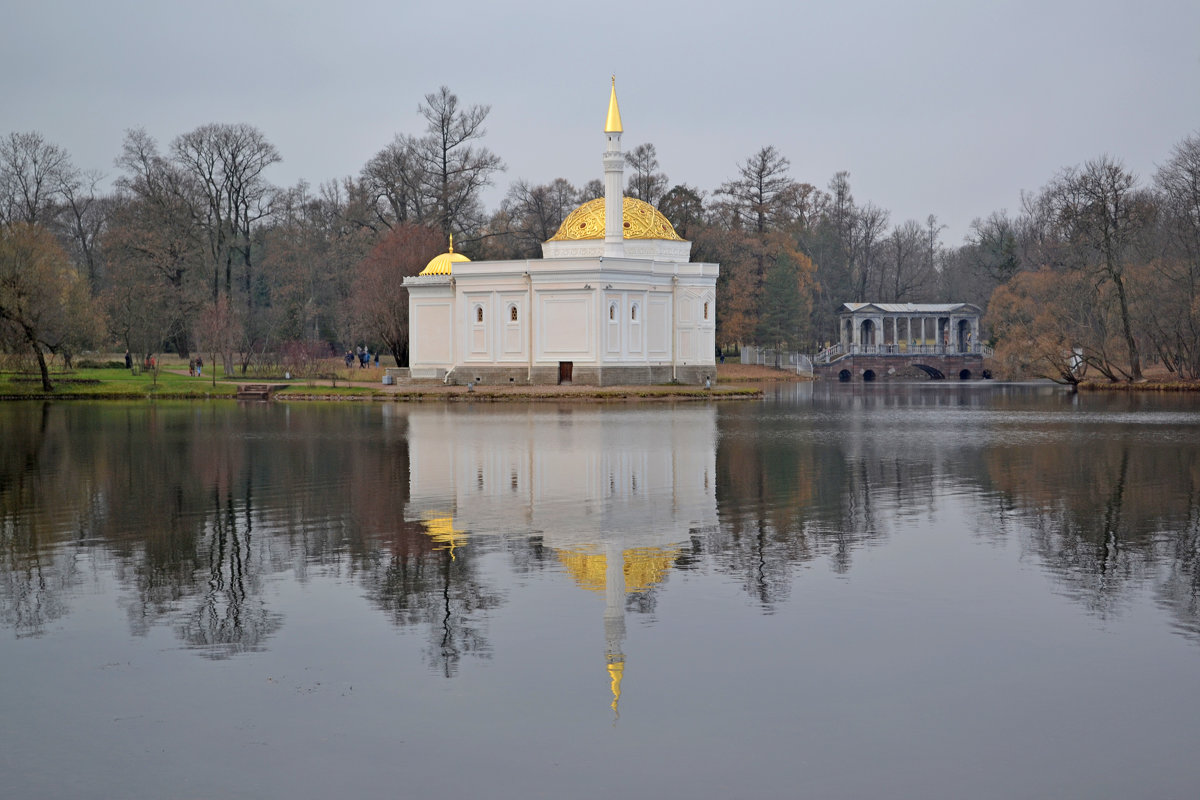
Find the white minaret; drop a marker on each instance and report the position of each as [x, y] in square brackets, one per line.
[614, 181]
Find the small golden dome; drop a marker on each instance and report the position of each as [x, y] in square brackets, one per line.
[641, 221]
[440, 264]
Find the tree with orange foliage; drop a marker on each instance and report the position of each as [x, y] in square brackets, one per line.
[379, 299]
[44, 303]
[1056, 325]
[1032, 334]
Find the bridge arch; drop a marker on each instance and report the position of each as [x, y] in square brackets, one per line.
[933, 372]
[964, 374]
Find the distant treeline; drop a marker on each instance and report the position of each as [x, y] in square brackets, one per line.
[194, 250]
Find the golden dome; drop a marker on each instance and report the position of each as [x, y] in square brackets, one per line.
[642, 221]
[440, 264]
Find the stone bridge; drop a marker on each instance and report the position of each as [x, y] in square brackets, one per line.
[937, 362]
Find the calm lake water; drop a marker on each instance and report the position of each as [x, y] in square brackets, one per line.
[916, 591]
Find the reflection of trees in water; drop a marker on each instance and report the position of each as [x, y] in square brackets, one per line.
[417, 585]
[33, 584]
[1178, 589]
[195, 506]
[38, 562]
[228, 615]
[1109, 517]
[163, 493]
[185, 546]
[788, 495]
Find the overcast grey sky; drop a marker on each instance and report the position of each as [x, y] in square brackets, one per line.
[944, 107]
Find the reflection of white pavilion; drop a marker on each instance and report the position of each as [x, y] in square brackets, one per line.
[613, 491]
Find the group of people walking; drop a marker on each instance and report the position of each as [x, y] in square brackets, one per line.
[195, 366]
[363, 356]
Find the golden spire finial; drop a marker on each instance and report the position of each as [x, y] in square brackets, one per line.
[613, 124]
[452, 243]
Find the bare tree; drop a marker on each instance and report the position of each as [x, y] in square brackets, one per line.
[32, 172]
[156, 243]
[591, 190]
[646, 183]
[867, 231]
[906, 273]
[533, 214]
[683, 205]
[994, 246]
[934, 229]
[396, 177]
[83, 217]
[1100, 213]
[1174, 321]
[454, 169]
[227, 163]
[763, 194]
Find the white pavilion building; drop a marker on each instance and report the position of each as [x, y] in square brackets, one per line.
[613, 300]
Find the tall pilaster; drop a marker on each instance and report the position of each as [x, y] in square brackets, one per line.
[614, 180]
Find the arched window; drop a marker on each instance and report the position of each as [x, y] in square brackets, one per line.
[479, 313]
[706, 309]
[612, 311]
[512, 313]
[633, 312]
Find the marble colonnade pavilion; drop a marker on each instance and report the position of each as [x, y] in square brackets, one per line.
[914, 328]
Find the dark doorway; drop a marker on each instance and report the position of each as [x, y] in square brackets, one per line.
[564, 371]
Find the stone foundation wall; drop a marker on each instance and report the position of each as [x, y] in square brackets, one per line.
[634, 375]
[950, 366]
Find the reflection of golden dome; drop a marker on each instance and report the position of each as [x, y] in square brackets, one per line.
[440, 264]
[642, 221]
[443, 533]
[643, 567]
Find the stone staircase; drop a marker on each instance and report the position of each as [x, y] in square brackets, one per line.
[256, 391]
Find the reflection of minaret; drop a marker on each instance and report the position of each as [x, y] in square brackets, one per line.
[614, 176]
[614, 616]
[617, 571]
[611, 493]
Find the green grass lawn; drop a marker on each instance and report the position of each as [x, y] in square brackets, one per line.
[116, 383]
[119, 383]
